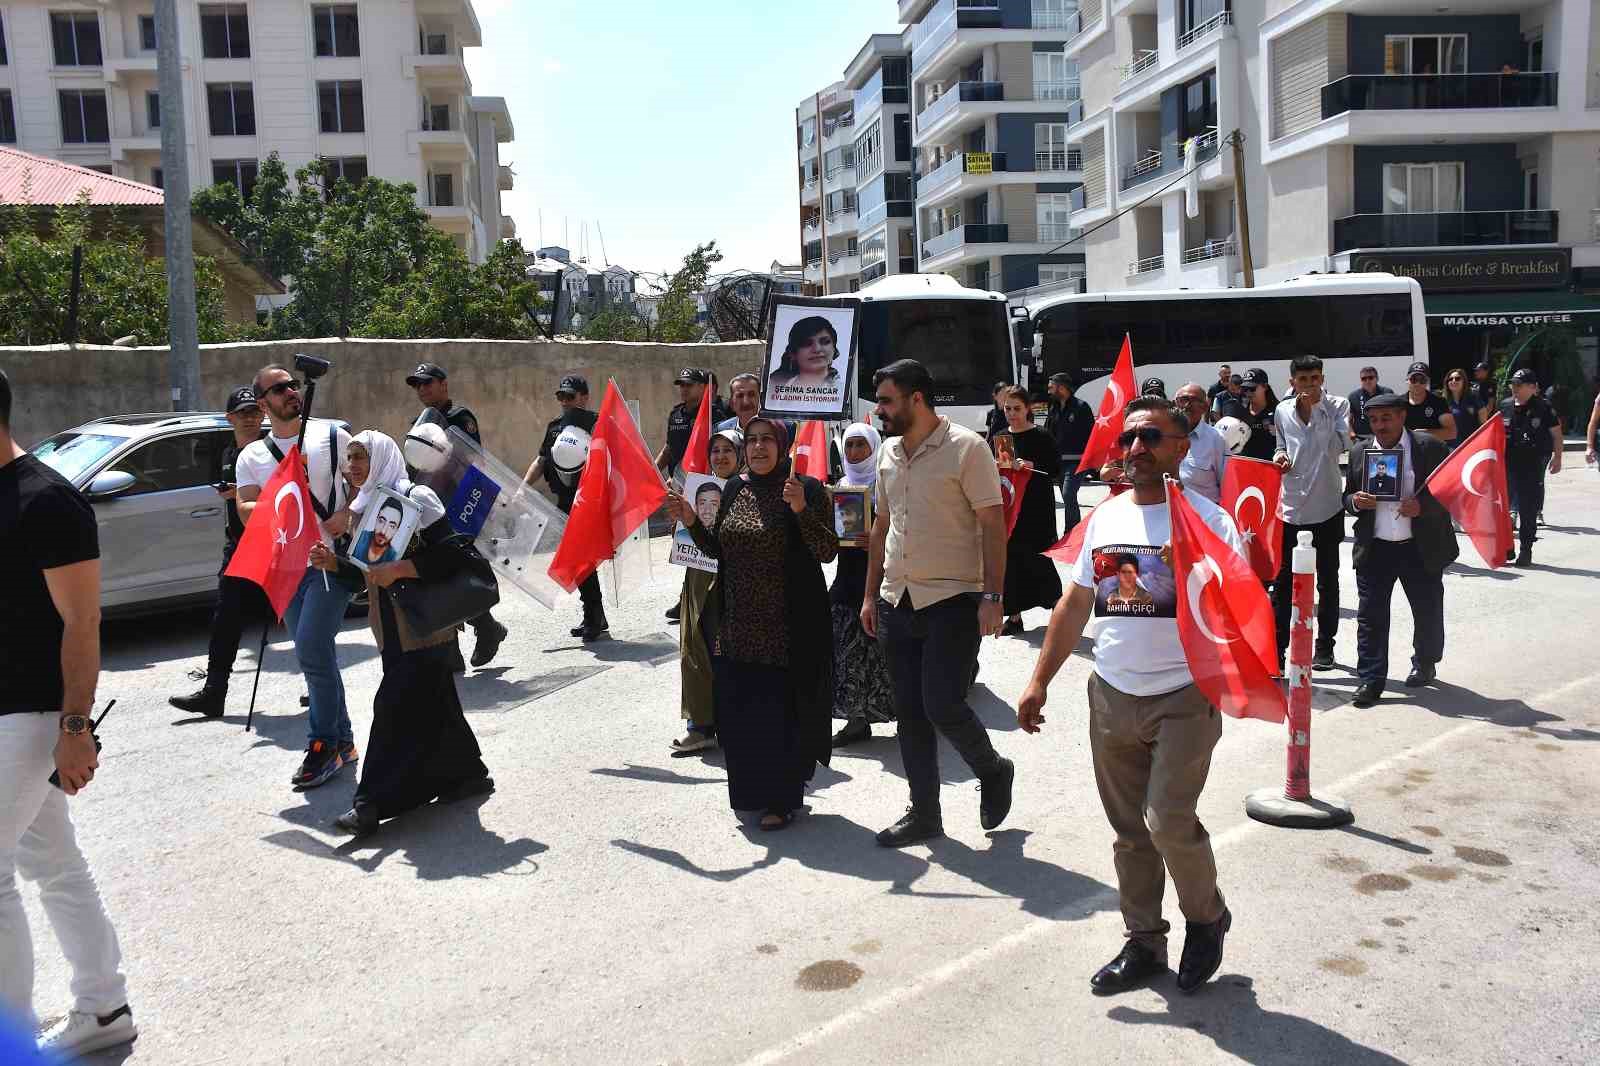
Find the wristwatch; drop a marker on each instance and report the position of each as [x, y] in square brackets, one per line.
[992, 597]
[75, 724]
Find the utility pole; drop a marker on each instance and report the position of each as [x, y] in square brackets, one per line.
[1244, 210]
[183, 360]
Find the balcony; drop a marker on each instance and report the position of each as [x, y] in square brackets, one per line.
[939, 25]
[505, 179]
[1205, 147]
[439, 144]
[1212, 25]
[1145, 266]
[1059, 89]
[1080, 24]
[1427, 92]
[1144, 59]
[967, 90]
[1052, 18]
[1058, 160]
[842, 263]
[973, 233]
[1147, 167]
[1211, 249]
[1445, 229]
[437, 72]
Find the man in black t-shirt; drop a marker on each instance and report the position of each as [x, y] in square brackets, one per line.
[237, 599]
[1483, 386]
[1533, 444]
[560, 462]
[1224, 376]
[49, 664]
[691, 384]
[1427, 411]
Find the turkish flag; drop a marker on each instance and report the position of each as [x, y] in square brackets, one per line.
[811, 450]
[1068, 548]
[1479, 502]
[618, 490]
[1250, 489]
[1013, 483]
[1113, 403]
[277, 540]
[1224, 619]
[697, 455]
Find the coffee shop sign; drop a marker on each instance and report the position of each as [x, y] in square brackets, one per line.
[1552, 318]
[1447, 271]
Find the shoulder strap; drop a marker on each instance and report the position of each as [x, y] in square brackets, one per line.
[272, 446]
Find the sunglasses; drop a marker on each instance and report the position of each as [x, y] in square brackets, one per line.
[1150, 436]
[282, 387]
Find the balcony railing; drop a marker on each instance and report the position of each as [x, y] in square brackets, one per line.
[1144, 168]
[1077, 199]
[1144, 266]
[1213, 249]
[1075, 113]
[872, 273]
[1144, 59]
[1215, 22]
[972, 233]
[1079, 24]
[1426, 92]
[1058, 159]
[1205, 147]
[1058, 89]
[1057, 231]
[1052, 18]
[835, 258]
[1444, 229]
[968, 91]
[936, 27]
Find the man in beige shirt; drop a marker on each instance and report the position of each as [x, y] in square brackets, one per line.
[936, 565]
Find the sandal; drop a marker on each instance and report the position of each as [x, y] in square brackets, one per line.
[695, 741]
[782, 821]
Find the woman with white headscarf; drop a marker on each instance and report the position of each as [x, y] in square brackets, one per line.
[861, 691]
[421, 748]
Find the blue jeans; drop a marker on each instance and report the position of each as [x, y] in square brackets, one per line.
[314, 617]
[1070, 480]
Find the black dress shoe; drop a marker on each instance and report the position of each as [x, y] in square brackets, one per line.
[1524, 558]
[488, 643]
[593, 631]
[1323, 660]
[854, 732]
[208, 701]
[1367, 694]
[912, 829]
[1202, 951]
[1419, 676]
[1134, 965]
[359, 821]
[672, 612]
[996, 789]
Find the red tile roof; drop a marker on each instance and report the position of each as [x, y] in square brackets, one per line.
[52, 182]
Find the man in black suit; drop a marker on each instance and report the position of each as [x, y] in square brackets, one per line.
[1410, 541]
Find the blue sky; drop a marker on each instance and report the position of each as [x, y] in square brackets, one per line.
[668, 123]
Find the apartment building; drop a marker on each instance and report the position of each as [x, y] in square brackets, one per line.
[825, 125]
[1455, 142]
[375, 87]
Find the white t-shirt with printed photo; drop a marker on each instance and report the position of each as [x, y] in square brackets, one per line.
[256, 462]
[1135, 621]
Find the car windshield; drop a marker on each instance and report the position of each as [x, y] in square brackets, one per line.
[70, 454]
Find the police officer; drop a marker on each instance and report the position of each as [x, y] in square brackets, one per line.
[238, 600]
[1426, 410]
[1533, 443]
[560, 462]
[433, 389]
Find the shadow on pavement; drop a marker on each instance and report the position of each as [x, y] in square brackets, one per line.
[486, 691]
[1228, 1011]
[1384, 839]
[658, 775]
[1483, 571]
[440, 841]
[1453, 701]
[1043, 888]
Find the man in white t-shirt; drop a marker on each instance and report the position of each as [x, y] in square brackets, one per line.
[318, 607]
[1151, 730]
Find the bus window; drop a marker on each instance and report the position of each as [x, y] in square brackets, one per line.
[965, 344]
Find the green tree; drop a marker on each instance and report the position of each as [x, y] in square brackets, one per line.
[674, 320]
[450, 298]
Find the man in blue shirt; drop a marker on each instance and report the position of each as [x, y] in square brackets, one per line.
[1359, 426]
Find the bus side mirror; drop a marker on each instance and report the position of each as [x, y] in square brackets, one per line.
[1022, 329]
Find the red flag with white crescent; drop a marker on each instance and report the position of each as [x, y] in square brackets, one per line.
[1068, 548]
[1224, 619]
[1113, 404]
[277, 540]
[1250, 491]
[1478, 498]
[697, 455]
[1013, 484]
[811, 450]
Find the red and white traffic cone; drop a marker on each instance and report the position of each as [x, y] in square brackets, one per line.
[1294, 807]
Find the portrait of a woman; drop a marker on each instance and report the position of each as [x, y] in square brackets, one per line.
[809, 355]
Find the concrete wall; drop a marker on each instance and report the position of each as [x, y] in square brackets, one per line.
[510, 385]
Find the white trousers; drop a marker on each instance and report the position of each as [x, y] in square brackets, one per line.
[36, 840]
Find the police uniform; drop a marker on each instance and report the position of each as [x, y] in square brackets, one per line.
[1425, 415]
[1528, 452]
[594, 612]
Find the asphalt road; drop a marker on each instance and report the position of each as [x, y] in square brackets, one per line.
[606, 907]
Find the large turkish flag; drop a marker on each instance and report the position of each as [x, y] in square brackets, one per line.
[277, 540]
[1113, 406]
[1479, 502]
[1250, 490]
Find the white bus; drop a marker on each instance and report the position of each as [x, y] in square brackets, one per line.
[1181, 335]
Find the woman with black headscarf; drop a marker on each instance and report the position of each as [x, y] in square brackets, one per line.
[767, 621]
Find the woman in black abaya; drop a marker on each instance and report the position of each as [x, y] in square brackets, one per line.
[1031, 578]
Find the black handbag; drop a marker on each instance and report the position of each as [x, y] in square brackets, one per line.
[431, 606]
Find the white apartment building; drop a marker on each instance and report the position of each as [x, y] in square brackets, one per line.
[376, 87]
[1456, 141]
[825, 132]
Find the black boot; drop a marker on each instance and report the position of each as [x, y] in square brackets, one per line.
[595, 627]
[208, 701]
[488, 643]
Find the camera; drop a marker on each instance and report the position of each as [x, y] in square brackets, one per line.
[312, 367]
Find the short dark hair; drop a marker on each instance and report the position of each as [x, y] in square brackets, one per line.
[999, 387]
[1015, 392]
[705, 487]
[1370, 370]
[1064, 380]
[1162, 405]
[746, 376]
[255, 382]
[909, 376]
[5, 400]
[1301, 364]
[392, 504]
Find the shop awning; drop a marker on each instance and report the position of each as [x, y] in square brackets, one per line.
[1508, 305]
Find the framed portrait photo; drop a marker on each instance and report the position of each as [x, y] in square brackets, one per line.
[705, 493]
[385, 531]
[852, 514]
[811, 355]
[1381, 475]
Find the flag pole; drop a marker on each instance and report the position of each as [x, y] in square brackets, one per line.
[256, 686]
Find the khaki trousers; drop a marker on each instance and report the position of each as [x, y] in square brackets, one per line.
[1151, 758]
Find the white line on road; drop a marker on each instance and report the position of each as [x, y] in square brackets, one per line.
[955, 967]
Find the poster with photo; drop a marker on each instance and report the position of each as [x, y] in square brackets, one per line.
[1133, 581]
[385, 531]
[1383, 473]
[852, 514]
[704, 492]
[811, 352]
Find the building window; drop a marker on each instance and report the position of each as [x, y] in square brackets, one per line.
[240, 173]
[8, 119]
[335, 29]
[83, 117]
[444, 189]
[352, 169]
[435, 116]
[1425, 53]
[1049, 147]
[157, 178]
[147, 33]
[152, 110]
[1053, 209]
[433, 44]
[76, 35]
[869, 151]
[1195, 13]
[3, 59]
[1532, 50]
[224, 31]
[1056, 273]
[902, 138]
[1422, 188]
[808, 132]
[1530, 190]
[1054, 77]
[233, 109]
[1199, 102]
[339, 103]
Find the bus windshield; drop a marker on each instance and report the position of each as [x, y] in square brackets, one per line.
[965, 344]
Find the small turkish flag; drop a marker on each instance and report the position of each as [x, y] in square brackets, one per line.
[1068, 548]
[811, 450]
[1013, 484]
[1250, 490]
[1480, 503]
[697, 455]
[1113, 404]
[618, 490]
[1224, 619]
[277, 540]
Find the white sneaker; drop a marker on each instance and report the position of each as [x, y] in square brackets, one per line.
[80, 1033]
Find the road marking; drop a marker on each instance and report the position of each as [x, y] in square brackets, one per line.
[956, 967]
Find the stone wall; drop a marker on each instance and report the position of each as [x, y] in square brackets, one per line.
[510, 385]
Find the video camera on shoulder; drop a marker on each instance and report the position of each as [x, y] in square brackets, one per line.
[311, 366]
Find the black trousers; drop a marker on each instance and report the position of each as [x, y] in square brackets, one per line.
[931, 653]
[589, 596]
[1525, 479]
[239, 602]
[1385, 563]
[1326, 538]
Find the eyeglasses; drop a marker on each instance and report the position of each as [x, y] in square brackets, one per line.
[1369, 377]
[282, 387]
[1150, 436]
